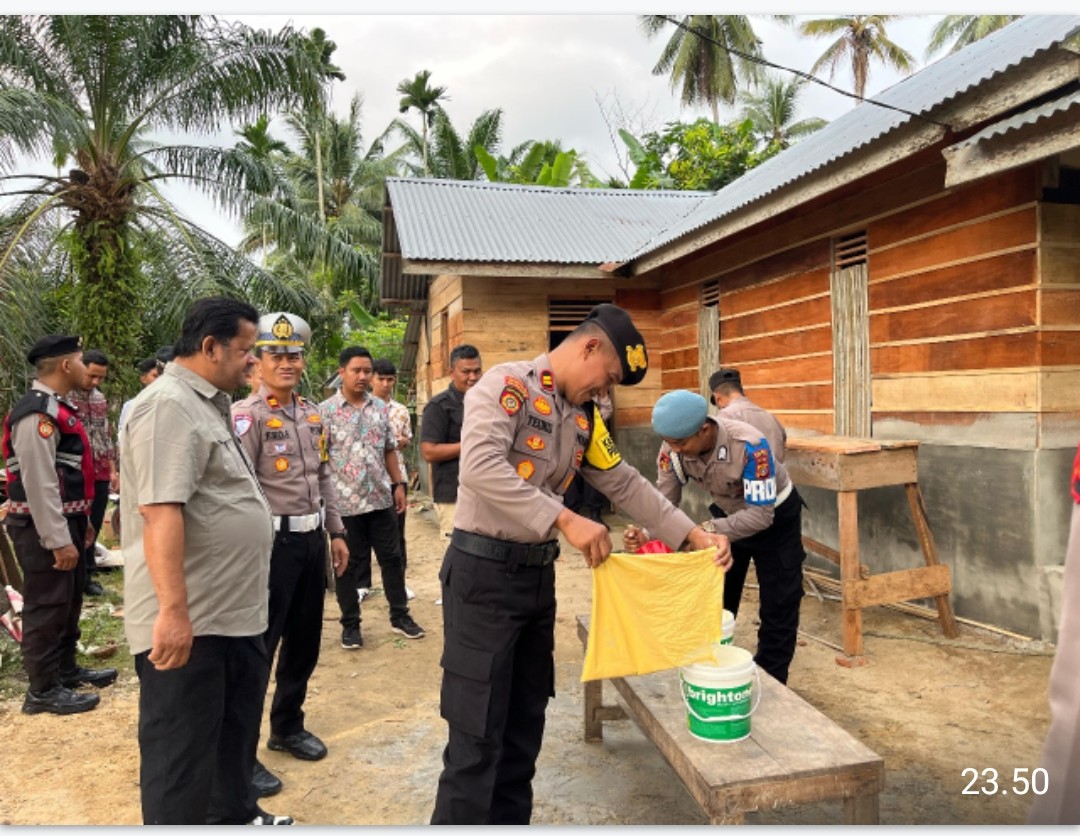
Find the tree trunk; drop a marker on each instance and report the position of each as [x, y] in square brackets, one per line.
[318, 175]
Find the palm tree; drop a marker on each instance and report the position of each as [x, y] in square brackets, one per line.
[860, 39]
[703, 66]
[772, 113]
[450, 156]
[260, 145]
[417, 95]
[963, 30]
[542, 163]
[86, 91]
[320, 49]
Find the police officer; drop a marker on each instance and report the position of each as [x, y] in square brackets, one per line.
[755, 505]
[50, 482]
[284, 437]
[728, 395]
[529, 428]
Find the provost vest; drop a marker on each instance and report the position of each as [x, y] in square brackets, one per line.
[74, 459]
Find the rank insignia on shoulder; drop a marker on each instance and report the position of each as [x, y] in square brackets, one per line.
[547, 382]
[241, 424]
[45, 427]
[535, 442]
[281, 464]
[510, 401]
[542, 406]
[275, 423]
[582, 422]
[579, 454]
[273, 402]
[314, 418]
[722, 453]
[526, 469]
[664, 462]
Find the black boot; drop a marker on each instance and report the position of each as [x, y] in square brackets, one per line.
[58, 700]
[88, 676]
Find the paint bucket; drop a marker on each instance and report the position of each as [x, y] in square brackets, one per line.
[719, 698]
[728, 628]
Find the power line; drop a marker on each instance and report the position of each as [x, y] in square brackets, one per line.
[758, 60]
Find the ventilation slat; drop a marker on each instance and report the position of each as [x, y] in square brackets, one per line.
[568, 314]
[710, 294]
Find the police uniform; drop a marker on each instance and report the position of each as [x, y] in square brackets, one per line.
[741, 408]
[758, 508]
[522, 444]
[287, 445]
[50, 484]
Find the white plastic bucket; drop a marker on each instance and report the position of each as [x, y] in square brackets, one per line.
[721, 697]
[728, 628]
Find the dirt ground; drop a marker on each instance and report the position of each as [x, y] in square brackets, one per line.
[932, 707]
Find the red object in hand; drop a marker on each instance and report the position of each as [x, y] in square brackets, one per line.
[654, 547]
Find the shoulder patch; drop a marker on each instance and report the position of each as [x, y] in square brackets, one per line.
[759, 475]
[602, 452]
[526, 469]
[242, 423]
[510, 401]
[281, 464]
[535, 442]
[582, 422]
[45, 427]
[517, 386]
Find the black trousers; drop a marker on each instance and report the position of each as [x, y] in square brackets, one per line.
[97, 517]
[52, 601]
[778, 557]
[376, 530]
[363, 561]
[498, 675]
[198, 729]
[297, 595]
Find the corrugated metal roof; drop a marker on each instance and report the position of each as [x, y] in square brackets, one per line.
[453, 220]
[921, 92]
[1020, 120]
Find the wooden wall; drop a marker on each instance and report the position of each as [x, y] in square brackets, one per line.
[974, 299]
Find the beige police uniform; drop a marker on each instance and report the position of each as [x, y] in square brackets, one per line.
[743, 409]
[758, 509]
[287, 445]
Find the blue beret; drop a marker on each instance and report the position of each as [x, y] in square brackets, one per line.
[679, 414]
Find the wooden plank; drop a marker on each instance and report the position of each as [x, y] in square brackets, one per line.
[772, 293]
[1059, 264]
[1011, 309]
[813, 340]
[805, 396]
[680, 318]
[849, 471]
[1002, 232]
[688, 295]
[1058, 348]
[818, 423]
[1059, 390]
[890, 587]
[961, 205]
[633, 417]
[851, 618]
[804, 257]
[862, 809]
[683, 379]
[995, 272]
[1059, 223]
[799, 314]
[993, 392]
[930, 554]
[814, 369]
[1060, 307]
[999, 351]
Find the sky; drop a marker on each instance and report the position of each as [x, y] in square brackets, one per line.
[554, 75]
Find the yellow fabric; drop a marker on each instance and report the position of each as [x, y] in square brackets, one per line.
[602, 452]
[651, 612]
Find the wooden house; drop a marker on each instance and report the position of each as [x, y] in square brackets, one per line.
[911, 271]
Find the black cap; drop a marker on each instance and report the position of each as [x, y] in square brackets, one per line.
[54, 345]
[724, 376]
[628, 342]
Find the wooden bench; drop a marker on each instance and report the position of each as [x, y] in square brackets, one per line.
[794, 755]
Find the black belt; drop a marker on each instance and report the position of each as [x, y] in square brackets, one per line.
[525, 554]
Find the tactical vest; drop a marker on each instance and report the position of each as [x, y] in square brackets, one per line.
[74, 458]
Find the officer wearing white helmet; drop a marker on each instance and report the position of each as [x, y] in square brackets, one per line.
[283, 435]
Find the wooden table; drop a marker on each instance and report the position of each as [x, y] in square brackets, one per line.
[847, 465]
[794, 754]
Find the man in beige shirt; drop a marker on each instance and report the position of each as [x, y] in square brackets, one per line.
[529, 428]
[197, 538]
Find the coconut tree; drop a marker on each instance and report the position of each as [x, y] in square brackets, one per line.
[704, 68]
[860, 40]
[417, 95]
[451, 156]
[259, 144]
[538, 162]
[772, 113]
[963, 30]
[91, 93]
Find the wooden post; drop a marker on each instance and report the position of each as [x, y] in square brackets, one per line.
[929, 549]
[848, 511]
[594, 696]
[862, 809]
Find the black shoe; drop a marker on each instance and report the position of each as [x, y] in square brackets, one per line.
[303, 745]
[93, 589]
[266, 782]
[350, 638]
[407, 627]
[88, 676]
[263, 817]
[58, 700]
